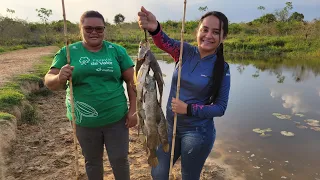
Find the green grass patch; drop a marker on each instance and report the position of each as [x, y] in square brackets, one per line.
[6, 116]
[29, 114]
[9, 98]
[12, 95]
[12, 48]
[28, 77]
[11, 86]
[42, 69]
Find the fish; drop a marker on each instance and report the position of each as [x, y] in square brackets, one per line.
[155, 124]
[144, 53]
[151, 119]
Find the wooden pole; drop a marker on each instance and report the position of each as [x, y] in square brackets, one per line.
[178, 92]
[71, 96]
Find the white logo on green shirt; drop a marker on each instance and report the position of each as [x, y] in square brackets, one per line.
[83, 109]
[84, 60]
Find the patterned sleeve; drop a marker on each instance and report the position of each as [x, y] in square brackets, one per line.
[165, 43]
[60, 59]
[218, 108]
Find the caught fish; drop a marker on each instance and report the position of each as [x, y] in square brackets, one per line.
[151, 118]
[155, 125]
[145, 53]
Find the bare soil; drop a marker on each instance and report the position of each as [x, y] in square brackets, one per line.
[45, 151]
[21, 61]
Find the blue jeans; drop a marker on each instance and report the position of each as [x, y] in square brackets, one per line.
[193, 144]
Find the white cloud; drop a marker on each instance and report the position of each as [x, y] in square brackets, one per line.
[291, 100]
[294, 102]
[274, 93]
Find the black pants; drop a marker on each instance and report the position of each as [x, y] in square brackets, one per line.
[115, 137]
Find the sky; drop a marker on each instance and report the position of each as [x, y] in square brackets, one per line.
[235, 10]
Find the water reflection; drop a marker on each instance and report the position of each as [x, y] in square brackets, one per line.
[260, 88]
[291, 100]
[301, 69]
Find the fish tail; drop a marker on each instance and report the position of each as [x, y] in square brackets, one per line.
[166, 147]
[152, 159]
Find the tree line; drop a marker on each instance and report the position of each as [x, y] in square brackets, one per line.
[267, 28]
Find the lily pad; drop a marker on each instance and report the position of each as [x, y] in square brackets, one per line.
[276, 114]
[300, 115]
[287, 133]
[312, 122]
[282, 116]
[301, 126]
[265, 135]
[257, 130]
[262, 131]
[315, 129]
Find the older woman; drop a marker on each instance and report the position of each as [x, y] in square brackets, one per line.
[98, 69]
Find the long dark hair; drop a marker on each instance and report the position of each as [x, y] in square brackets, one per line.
[218, 70]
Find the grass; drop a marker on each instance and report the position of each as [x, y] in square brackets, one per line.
[6, 116]
[10, 98]
[12, 48]
[42, 68]
[29, 114]
[12, 95]
[290, 46]
[28, 78]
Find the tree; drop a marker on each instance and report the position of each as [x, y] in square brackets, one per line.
[283, 15]
[203, 9]
[296, 17]
[44, 15]
[235, 28]
[119, 18]
[261, 8]
[269, 18]
[266, 19]
[11, 11]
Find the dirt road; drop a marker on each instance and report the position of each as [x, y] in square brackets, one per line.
[21, 61]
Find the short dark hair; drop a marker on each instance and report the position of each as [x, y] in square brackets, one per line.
[91, 14]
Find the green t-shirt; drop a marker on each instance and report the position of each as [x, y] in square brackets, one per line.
[98, 91]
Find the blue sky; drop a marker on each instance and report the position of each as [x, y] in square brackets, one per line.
[236, 10]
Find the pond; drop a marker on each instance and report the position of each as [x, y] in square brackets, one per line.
[281, 97]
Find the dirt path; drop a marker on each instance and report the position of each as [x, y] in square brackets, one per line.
[20, 61]
[44, 151]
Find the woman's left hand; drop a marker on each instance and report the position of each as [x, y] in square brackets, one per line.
[131, 119]
[178, 106]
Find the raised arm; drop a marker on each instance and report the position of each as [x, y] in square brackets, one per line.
[164, 42]
[149, 22]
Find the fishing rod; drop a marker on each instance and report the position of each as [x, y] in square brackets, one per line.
[178, 91]
[71, 96]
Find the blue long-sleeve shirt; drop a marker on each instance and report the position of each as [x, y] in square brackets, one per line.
[196, 84]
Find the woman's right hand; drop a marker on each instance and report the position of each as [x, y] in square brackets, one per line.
[147, 20]
[65, 73]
